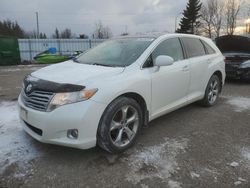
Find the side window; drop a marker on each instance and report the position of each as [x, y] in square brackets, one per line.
[148, 62]
[209, 49]
[170, 47]
[194, 47]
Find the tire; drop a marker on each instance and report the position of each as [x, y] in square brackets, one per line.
[212, 92]
[120, 125]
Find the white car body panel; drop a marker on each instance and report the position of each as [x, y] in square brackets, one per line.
[75, 73]
[169, 87]
[164, 89]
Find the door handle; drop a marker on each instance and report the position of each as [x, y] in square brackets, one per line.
[185, 68]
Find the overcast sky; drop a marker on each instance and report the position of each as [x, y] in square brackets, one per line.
[81, 15]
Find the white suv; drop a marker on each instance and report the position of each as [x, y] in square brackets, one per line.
[108, 93]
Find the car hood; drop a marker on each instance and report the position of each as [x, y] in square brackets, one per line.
[75, 73]
[234, 44]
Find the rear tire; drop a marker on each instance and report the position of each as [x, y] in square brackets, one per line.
[120, 125]
[212, 92]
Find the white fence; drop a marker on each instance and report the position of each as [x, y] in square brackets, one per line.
[29, 48]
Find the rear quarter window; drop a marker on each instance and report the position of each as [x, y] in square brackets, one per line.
[194, 47]
[208, 48]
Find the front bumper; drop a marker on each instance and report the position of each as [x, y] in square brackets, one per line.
[237, 72]
[52, 127]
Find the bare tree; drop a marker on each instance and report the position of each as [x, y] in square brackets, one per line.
[232, 9]
[56, 35]
[102, 32]
[66, 34]
[212, 17]
[207, 14]
[219, 6]
[248, 18]
[107, 32]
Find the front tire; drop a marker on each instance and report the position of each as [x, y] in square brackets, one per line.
[212, 91]
[120, 125]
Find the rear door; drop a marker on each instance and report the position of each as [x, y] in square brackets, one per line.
[199, 63]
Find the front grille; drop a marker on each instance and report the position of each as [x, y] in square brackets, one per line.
[34, 129]
[37, 100]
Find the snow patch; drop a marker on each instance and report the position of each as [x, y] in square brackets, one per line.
[240, 181]
[155, 161]
[173, 184]
[246, 153]
[234, 164]
[240, 104]
[237, 183]
[194, 175]
[15, 144]
[144, 186]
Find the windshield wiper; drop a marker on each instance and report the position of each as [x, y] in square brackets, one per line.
[105, 65]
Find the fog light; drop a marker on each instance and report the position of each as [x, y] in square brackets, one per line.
[72, 133]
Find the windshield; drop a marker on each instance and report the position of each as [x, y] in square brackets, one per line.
[116, 52]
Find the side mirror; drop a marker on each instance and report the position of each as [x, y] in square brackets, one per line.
[163, 60]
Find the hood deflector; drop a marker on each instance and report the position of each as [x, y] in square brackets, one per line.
[44, 85]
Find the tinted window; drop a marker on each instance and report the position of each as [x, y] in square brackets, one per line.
[209, 49]
[194, 47]
[170, 47]
[148, 62]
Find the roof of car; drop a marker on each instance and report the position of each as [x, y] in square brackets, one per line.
[156, 35]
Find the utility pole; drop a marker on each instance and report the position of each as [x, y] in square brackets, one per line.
[37, 26]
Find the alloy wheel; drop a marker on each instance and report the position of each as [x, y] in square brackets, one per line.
[124, 126]
[213, 91]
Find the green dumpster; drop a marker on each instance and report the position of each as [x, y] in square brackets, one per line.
[9, 51]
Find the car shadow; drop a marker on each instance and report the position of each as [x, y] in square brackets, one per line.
[237, 81]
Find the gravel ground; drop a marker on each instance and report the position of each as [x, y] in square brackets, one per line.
[191, 147]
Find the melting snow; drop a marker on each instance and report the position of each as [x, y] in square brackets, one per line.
[156, 161]
[246, 153]
[240, 181]
[239, 103]
[237, 183]
[173, 184]
[194, 175]
[234, 164]
[15, 145]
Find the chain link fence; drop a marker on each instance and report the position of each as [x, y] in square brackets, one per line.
[29, 48]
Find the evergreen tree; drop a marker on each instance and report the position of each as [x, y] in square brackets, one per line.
[42, 36]
[191, 15]
[56, 35]
[9, 28]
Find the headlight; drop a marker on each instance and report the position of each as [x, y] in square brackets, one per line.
[246, 64]
[67, 98]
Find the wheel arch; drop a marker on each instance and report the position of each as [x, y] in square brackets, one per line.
[219, 74]
[141, 101]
